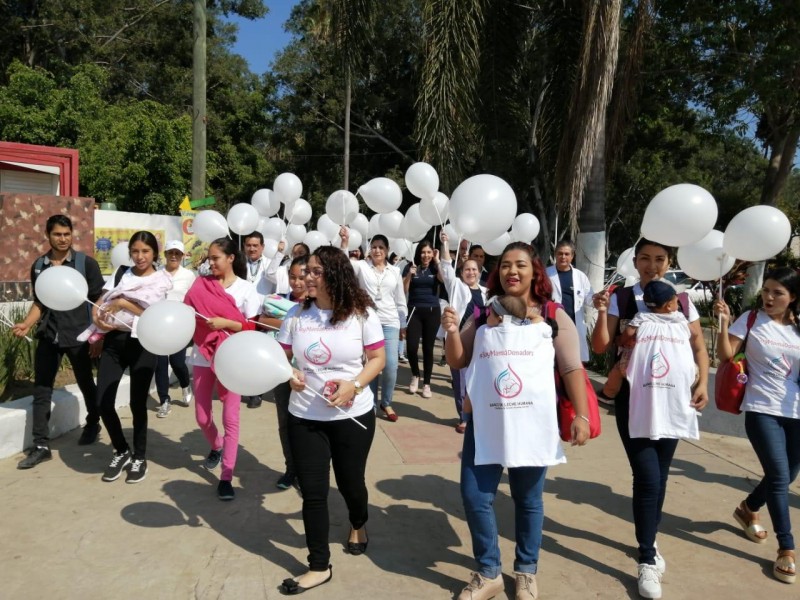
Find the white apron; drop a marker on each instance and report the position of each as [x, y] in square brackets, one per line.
[660, 373]
[511, 386]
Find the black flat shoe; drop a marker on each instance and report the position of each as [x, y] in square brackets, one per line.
[290, 587]
[356, 548]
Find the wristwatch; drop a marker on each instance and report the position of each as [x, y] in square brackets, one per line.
[358, 386]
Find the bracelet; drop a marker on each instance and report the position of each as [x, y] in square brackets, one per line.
[584, 417]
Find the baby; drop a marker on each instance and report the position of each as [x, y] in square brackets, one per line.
[662, 299]
[512, 307]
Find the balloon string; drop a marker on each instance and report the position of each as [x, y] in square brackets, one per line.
[339, 408]
[11, 325]
[225, 331]
[112, 315]
[436, 208]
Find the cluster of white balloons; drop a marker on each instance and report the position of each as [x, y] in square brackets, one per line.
[684, 216]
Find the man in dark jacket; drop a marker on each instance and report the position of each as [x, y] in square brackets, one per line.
[56, 334]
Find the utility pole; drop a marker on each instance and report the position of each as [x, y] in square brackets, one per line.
[199, 102]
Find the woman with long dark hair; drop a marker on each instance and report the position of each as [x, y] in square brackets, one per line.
[228, 301]
[421, 283]
[122, 350]
[328, 335]
[771, 406]
[649, 459]
[511, 416]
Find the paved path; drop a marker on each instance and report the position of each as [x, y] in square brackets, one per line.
[66, 534]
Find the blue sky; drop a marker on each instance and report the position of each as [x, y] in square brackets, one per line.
[259, 41]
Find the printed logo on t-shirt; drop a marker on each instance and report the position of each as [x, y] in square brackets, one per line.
[781, 365]
[318, 353]
[659, 367]
[508, 384]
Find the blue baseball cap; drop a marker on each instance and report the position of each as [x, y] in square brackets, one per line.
[658, 293]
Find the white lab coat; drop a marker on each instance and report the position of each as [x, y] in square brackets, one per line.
[582, 291]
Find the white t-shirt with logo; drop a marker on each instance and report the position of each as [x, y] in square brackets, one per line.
[773, 366]
[247, 301]
[326, 352]
[660, 372]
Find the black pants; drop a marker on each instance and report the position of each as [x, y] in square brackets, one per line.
[315, 445]
[281, 394]
[121, 351]
[424, 323]
[178, 362]
[46, 363]
[650, 461]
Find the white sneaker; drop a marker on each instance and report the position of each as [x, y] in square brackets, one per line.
[163, 410]
[414, 385]
[187, 396]
[661, 564]
[426, 391]
[649, 581]
[482, 588]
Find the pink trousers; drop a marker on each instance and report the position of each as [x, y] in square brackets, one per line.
[203, 382]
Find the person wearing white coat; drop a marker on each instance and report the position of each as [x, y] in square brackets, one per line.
[465, 295]
[572, 289]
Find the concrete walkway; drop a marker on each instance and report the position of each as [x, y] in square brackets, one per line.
[66, 534]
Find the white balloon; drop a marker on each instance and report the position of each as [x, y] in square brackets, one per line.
[705, 260]
[679, 215]
[353, 242]
[166, 327]
[342, 207]
[327, 227]
[374, 226]
[274, 229]
[453, 235]
[61, 288]
[422, 180]
[314, 239]
[294, 235]
[288, 187]
[757, 233]
[414, 226]
[496, 247]
[525, 228]
[242, 218]
[435, 210]
[381, 194]
[361, 224]
[391, 224]
[483, 207]
[266, 202]
[625, 264]
[209, 225]
[270, 248]
[250, 363]
[299, 212]
[121, 256]
[402, 247]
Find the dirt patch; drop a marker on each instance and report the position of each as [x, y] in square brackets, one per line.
[19, 388]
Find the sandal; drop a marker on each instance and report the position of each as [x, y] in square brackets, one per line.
[750, 523]
[391, 416]
[290, 587]
[784, 566]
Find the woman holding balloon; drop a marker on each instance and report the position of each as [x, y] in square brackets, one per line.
[384, 284]
[328, 335]
[421, 283]
[224, 302]
[771, 405]
[122, 350]
[650, 459]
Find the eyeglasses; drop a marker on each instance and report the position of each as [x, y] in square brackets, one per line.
[315, 272]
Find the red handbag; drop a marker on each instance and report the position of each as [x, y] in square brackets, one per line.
[566, 411]
[731, 379]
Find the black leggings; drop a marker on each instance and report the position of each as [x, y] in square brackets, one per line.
[315, 445]
[423, 323]
[121, 351]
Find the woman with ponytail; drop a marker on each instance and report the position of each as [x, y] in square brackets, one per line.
[771, 406]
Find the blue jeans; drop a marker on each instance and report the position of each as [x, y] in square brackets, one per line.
[776, 441]
[388, 376]
[459, 399]
[650, 461]
[478, 490]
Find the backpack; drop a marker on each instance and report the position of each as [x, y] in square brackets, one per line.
[80, 264]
